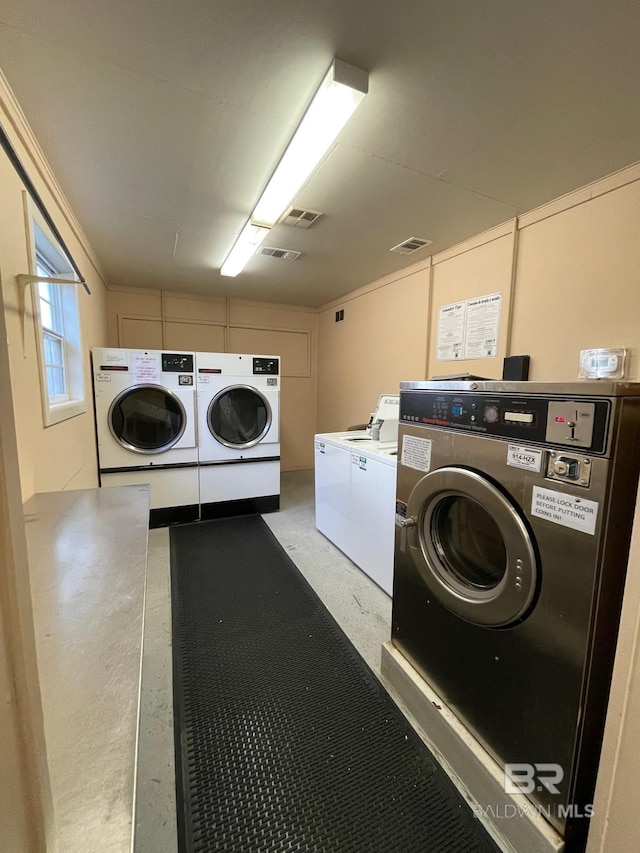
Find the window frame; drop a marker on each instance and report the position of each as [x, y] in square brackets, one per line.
[45, 252]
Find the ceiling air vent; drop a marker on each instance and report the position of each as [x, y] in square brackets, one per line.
[411, 245]
[299, 217]
[281, 254]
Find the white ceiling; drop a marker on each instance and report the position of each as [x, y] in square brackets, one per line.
[164, 119]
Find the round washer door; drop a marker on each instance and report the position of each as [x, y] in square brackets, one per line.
[472, 547]
[239, 416]
[147, 419]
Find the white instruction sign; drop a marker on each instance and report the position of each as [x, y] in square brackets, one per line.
[451, 320]
[146, 368]
[567, 510]
[524, 457]
[103, 377]
[416, 453]
[469, 329]
[482, 326]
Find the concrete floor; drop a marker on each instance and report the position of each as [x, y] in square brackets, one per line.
[361, 608]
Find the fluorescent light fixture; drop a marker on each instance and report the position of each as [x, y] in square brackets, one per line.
[340, 92]
[245, 246]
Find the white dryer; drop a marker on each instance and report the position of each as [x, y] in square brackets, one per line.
[238, 433]
[145, 406]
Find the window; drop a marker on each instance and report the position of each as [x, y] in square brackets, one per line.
[57, 323]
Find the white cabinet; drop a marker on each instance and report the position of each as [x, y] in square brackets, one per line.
[355, 502]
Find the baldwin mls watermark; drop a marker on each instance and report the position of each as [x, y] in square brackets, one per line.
[526, 779]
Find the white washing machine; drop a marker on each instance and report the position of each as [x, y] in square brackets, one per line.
[145, 407]
[355, 492]
[238, 433]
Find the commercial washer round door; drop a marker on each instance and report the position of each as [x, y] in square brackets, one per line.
[147, 419]
[472, 547]
[239, 416]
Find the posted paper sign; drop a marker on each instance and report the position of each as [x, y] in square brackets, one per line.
[146, 368]
[416, 453]
[469, 329]
[567, 510]
[451, 320]
[482, 326]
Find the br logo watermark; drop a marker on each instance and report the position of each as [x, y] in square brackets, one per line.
[527, 778]
[530, 779]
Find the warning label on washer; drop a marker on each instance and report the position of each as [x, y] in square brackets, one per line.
[416, 453]
[578, 513]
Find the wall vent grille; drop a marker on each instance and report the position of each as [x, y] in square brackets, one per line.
[281, 254]
[299, 217]
[411, 245]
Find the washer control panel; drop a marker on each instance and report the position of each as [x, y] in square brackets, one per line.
[576, 424]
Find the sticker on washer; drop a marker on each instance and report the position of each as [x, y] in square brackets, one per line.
[146, 368]
[560, 508]
[360, 461]
[114, 357]
[524, 457]
[320, 446]
[401, 512]
[103, 377]
[416, 453]
[203, 377]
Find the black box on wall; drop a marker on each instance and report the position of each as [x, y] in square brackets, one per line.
[515, 367]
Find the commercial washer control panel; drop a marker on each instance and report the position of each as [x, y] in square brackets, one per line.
[578, 423]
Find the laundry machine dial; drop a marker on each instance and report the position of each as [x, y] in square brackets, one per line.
[491, 415]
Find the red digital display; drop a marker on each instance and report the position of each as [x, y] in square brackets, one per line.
[561, 420]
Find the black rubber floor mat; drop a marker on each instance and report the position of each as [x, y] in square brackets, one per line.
[285, 739]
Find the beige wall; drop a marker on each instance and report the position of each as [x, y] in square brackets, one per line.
[62, 456]
[26, 818]
[381, 341]
[479, 267]
[32, 459]
[156, 320]
[577, 283]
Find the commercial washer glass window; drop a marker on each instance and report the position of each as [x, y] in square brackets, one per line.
[57, 325]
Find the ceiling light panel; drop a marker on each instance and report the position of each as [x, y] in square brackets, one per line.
[342, 89]
[245, 246]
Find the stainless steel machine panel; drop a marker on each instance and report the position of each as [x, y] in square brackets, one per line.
[511, 548]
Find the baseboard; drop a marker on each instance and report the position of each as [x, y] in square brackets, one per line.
[163, 516]
[510, 819]
[226, 509]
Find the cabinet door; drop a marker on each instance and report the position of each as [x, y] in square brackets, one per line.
[373, 496]
[332, 474]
